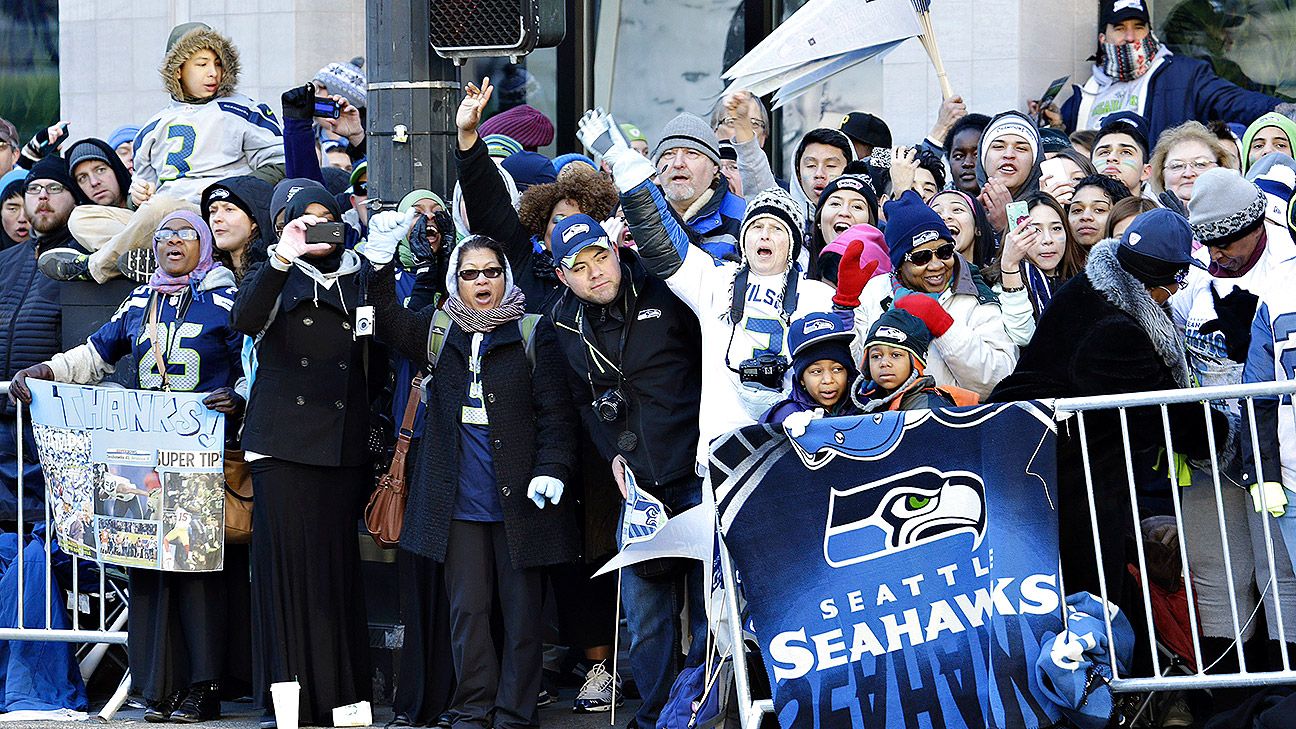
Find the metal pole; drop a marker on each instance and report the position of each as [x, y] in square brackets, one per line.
[413, 95]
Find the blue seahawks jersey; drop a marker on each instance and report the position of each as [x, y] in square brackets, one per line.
[200, 348]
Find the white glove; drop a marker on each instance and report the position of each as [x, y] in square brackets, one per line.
[599, 132]
[1275, 498]
[614, 227]
[545, 488]
[385, 231]
[795, 424]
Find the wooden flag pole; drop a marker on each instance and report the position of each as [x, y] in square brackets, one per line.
[928, 39]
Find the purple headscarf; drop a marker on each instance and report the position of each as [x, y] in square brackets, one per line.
[167, 284]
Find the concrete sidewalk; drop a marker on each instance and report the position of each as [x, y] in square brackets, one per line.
[557, 715]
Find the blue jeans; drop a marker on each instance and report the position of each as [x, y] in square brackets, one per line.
[652, 607]
[33, 478]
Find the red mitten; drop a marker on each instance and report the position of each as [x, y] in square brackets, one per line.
[929, 310]
[850, 277]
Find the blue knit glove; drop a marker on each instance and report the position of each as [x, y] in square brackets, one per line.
[545, 488]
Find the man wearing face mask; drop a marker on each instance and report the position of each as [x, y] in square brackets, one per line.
[1133, 71]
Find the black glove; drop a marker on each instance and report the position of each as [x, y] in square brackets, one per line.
[226, 400]
[446, 227]
[1234, 314]
[299, 102]
[1172, 202]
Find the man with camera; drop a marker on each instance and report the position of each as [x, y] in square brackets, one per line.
[635, 351]
[744, 309]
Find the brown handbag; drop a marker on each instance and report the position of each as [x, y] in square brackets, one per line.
[385, 513]
[238, 474]
[238, 498]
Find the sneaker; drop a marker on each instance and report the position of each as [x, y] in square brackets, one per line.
[65, 264]
[545, 698]
[597, 692]
[137, 265]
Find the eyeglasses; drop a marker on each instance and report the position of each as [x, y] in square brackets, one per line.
[756, 123]
[923, 257]
[1198, 165]
[166, 234]
[471, 274]
[53, 189]
[360, 189]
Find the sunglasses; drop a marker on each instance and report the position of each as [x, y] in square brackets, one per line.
[471, 274]
[360, 189]
[922, 258]
[166, 234]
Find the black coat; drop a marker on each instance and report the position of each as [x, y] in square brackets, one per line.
[1086, 345]
[30, 310]
[532, 432]
[662, 366]
[310, 400]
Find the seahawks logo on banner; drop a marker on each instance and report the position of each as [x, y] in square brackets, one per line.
[900, 569]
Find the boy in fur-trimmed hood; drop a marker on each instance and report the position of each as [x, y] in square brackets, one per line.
[207, 133]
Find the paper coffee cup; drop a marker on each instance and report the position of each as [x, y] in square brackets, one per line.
[285, 696]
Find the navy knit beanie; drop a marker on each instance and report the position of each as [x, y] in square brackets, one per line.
[909, 224]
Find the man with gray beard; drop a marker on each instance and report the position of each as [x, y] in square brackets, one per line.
[688, 171]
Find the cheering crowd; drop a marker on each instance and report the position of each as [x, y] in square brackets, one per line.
[566, 322]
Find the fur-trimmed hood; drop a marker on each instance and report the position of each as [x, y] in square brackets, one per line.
[191, 42]
[1126, 293]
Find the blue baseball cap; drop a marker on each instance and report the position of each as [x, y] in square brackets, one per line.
[574, 234]
[817, 328]
[1161, 235]
[1126, 122]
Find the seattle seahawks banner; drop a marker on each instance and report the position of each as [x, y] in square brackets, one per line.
[133, 477]
[901, 569]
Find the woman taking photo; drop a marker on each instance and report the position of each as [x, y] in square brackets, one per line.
[498, 445]
[177, 629]
[1038, 256]
[306, 436]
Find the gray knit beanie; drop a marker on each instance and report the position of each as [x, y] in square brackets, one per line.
[1224, 207]
[691, 132]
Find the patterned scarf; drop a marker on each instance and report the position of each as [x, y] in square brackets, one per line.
[167, 284]
[1128, 61]
[485, 320]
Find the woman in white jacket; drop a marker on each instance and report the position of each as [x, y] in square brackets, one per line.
[970, 345]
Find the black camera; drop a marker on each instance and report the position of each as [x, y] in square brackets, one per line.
[609, 406]
[765, 371]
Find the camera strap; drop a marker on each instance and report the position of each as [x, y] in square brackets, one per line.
[590, 347]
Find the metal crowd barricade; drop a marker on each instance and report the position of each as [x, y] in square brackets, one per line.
[750, 709]
[1239, 397]
[111, 629]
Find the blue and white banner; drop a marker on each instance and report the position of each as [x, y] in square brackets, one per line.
[900, 569]
[133, 477]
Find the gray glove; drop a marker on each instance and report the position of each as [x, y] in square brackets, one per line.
[599, 132]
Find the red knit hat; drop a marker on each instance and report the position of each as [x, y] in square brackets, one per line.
[525, 123]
